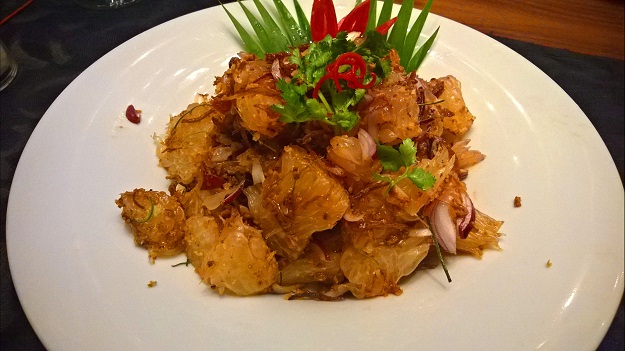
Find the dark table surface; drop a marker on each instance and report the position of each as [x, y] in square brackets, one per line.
[53, 41]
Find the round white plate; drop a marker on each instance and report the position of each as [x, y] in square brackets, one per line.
[83, 283]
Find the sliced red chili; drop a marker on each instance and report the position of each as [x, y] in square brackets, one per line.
[356, 20]
[132, 115]
[354, 76]
[323, 20]
[315, 93]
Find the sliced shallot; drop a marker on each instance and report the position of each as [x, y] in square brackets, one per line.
[444, 227]
[275, 70]
[237, 191]
[367, 144]
[221, 154]
[257, 172]
[350, 216]
[465, 224]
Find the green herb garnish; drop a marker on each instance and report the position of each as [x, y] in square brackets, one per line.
[186, 263]
[405, 156]
[282, 32]
[150, 213]
[332, 106]
[272, 35]
[438, 251]
[333, 103]
[404, 40]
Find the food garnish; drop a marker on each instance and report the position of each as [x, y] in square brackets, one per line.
[149, 215]
[438, 252]
[133, 115]
[267, 36]
[332, 57]
[185, 263]
[322, 167]
[404, 156]
[337, 72]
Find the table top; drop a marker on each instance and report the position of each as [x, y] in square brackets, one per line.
[592, 27]
[54, 41]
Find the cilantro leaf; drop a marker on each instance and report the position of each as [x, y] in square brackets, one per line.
[374, 45]
[340, 44]
[299, 108]
[346, 98]
[392, 159]
[295, 57]
[316, 110]
[345, 119]
[291, 92]
[329, 105]
[423, 179]
[312, 67]
[342, 101]
[408, 152]
[389, 157]
[374, 49]
[382, 67]
[294, 96]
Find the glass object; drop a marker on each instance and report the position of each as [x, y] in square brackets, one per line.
[8, 67]
[105, 4]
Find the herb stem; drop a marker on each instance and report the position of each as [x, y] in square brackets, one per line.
[431, 103]
[150, 213]
[186, 263]
[183, 116]
[394, 182]
[325, 102]
[438, 251]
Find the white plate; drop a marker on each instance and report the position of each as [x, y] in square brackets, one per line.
[82, 282]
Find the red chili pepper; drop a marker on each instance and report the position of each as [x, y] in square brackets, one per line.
[384, 27]
[323, 20]
[320, 83]
[354, 76]
[356, 19]
[132, 115]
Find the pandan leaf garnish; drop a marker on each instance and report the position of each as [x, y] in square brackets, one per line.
[285, 32]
